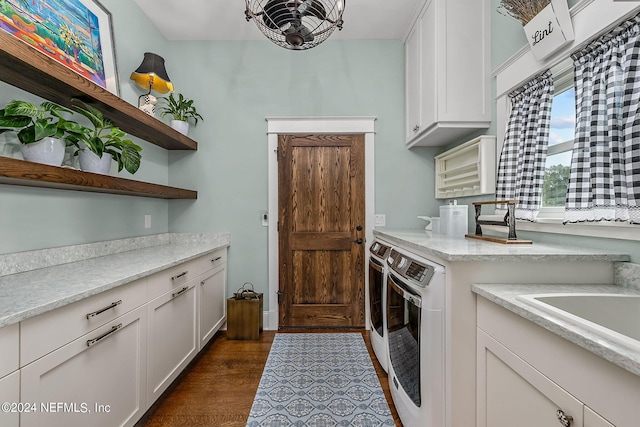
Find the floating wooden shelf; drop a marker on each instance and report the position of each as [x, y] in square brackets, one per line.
[20, 172]
[35, 72]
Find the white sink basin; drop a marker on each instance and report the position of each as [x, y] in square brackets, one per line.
[610, 316]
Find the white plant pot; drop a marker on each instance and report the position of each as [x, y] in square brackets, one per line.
[180, 126]
[49, 151]
[90, 162]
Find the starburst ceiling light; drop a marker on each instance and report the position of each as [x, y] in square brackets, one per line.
[296, 24]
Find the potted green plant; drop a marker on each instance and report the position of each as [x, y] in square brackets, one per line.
[41, 130]
[182, 110]
[96, 146]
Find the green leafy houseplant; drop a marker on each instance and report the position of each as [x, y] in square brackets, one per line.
[180, 109]
[105, 137]
[34, 123]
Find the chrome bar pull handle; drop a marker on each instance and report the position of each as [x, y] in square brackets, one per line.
[184, 273]
[180, 292]
[102, 310]
[103, 336]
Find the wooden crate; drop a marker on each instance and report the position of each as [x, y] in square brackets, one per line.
[244, 318]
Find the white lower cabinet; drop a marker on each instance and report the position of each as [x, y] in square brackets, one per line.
[172, 336]
[591, 419]
[104, 360]
[517, 394]
[10, 399]
[212, 303]
[530, 377]
[97, 379]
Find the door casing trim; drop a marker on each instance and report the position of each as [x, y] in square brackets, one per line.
[314, 125]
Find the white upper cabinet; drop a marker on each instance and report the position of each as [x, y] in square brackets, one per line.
[447, 60]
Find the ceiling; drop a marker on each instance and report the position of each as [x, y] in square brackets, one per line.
[224, 19]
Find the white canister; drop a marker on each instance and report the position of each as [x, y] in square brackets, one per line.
[435, 225]
[454, 220]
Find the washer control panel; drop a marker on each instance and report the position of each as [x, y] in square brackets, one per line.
[408, 268]
[380, 250]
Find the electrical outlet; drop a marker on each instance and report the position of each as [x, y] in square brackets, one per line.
[147, 221]
[380, 220]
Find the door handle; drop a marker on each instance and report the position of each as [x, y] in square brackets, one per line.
[358, 241]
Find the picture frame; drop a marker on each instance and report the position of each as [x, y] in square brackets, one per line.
[76, 33]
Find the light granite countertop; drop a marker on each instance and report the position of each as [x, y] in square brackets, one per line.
[464, 249]
[506, 295]
[29, 292]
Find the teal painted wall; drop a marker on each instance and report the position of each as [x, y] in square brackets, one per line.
[33, 218]
[236, 85]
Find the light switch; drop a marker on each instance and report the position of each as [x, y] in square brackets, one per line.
[147, 221]
[380, 220]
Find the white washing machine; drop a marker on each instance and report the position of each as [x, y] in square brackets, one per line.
[378, 253]
[415, 308]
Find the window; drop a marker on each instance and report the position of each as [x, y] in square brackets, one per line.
[561, 134]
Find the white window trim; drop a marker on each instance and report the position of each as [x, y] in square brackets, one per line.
[590, 18]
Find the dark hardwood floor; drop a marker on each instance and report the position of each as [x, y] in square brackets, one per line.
[218, 387]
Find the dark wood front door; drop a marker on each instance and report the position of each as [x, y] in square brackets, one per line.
[321, 230]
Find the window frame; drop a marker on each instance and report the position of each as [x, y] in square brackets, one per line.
[563, 80]
[590, 19]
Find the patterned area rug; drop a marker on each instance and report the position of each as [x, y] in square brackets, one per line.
[319, 380]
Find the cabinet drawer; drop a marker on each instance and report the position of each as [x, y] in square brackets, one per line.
[96, 380]
[10, 345]
[164, 281]
[44, 333]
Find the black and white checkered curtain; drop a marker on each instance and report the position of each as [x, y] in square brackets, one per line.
[521, 168]
[604, 184]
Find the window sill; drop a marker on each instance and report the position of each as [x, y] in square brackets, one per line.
[604, 230]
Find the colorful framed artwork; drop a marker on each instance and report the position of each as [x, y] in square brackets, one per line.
[76, 33]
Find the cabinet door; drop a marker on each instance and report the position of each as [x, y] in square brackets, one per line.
[96, 380]
[412, 76]
[172, 337]
[511, 392]
[10, 345]
[591, 419]
[212, 303]
[10, 394]
[429, 57]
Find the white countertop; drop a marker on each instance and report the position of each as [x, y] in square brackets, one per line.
[505, 296]
[29, 293]
[464, 249]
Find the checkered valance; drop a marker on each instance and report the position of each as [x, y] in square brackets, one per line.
[604, 184]
[522, 161]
